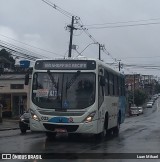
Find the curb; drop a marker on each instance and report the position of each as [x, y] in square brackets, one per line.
[5, 129]
[9, 120]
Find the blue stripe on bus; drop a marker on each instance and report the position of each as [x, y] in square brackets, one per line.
[122, 107]
[58, 120]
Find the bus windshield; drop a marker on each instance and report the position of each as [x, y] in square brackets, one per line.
[53, 90]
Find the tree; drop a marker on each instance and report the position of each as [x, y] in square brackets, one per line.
[139, 97]
[7, 59]
[157, 88]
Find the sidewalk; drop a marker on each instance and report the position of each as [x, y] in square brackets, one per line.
[9, 124]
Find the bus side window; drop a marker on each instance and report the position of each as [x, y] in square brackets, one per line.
[115, 85]
[111, 84]
[118, 93]
[107, 83]
[101, 84]
[121, 87]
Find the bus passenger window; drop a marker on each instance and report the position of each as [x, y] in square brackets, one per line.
[100, 93]
[111, 84]
[106, 75]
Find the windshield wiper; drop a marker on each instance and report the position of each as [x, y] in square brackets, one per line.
[52, 78]
[54, 83]
[73, 79]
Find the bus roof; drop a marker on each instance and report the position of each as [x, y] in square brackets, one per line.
[99, 62]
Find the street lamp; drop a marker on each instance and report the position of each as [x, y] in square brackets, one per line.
[100, 48]
[87, 47]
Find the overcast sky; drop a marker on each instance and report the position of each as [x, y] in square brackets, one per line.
[35, 23]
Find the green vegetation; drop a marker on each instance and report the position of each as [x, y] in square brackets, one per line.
[157, 88]
[139, 97]
[7, 59]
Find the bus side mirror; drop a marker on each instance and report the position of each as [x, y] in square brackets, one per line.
[26, 82]
[102, 81]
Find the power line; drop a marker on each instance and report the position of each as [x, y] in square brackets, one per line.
[72, 16]
[129, 25]
[69, 26]
[86, 32]
[141, 67]
[141, 57]
[123, 22]
[94, 40]
[64, 12]
[80, 24]
[30, 45]
[20, 54]
[21, 49]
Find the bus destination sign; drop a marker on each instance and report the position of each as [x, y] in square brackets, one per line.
[65, 65]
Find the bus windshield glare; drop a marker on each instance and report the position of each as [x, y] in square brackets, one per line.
[54, 90]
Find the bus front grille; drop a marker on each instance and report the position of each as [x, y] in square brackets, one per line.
[69, 128]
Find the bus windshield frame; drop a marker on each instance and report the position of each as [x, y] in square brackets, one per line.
[64, 90]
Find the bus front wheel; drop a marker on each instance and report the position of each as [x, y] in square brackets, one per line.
[105, 131]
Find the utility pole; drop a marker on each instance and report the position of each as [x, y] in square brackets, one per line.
[71, 36]
[99, 52]
[133, 87]
[119, 66]
[101, 47]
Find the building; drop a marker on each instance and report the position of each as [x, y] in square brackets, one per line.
[14, 95]
[133, 81]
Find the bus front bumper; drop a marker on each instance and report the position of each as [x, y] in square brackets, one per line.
[89, 128]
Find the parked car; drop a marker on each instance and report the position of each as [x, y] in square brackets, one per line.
[152, 100]
[149, 104]
[155, 96]
[140, 109]
[134, 110]
[24, 122]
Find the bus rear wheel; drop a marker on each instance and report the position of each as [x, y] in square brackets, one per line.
[117, 128]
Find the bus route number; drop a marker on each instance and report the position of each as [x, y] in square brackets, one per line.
[44, 118]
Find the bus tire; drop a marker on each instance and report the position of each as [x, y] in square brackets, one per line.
[106, 125]
[105, 131]
[117, 128]
[51, 135]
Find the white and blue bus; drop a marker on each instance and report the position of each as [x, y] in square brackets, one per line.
[76, 96]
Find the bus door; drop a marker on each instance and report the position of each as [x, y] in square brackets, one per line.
[101, 84]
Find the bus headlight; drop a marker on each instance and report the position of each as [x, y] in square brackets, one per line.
[34, 116]
[90, 117]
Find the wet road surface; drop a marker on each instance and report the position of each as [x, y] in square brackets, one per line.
[139, 134]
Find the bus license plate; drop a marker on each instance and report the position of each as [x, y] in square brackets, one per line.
[59, 130]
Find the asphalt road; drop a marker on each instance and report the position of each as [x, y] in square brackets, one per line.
[139, 136]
